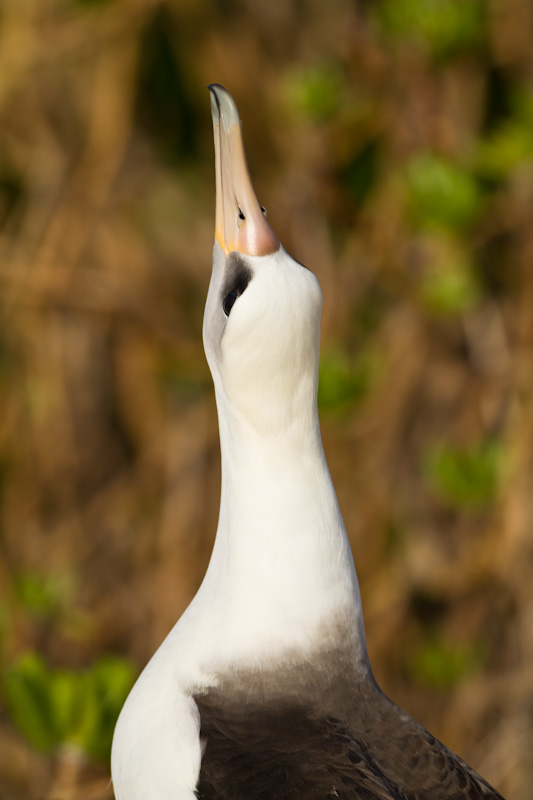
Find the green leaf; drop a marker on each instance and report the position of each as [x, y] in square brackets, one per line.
[450, 292]
[315, 91]
[444, 27]
[79, 707]
[464, 477]
[343, 382]
[448, 284]
[64, 699]
[113, 679]
[442, 664]
[441, 194]
[509, 146]
[45, 595]
[90, 727]
[26, 690]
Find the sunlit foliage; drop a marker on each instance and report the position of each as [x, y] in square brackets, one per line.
[391, 142]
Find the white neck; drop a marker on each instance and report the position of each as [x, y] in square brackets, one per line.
[281, 576]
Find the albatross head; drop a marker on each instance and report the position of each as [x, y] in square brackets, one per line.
[280, 598]
[262, 316]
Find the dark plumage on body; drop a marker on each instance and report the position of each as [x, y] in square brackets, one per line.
[309, 732]
[263, 689]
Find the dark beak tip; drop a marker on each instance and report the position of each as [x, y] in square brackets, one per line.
[223, 106]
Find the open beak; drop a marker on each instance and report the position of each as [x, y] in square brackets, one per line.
[240, 221]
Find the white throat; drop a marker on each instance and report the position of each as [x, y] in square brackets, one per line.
[281, 576]
[281, 588]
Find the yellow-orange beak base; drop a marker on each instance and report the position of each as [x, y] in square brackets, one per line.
[240, 221]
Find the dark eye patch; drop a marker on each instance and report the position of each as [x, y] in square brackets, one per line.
[229, 302]
[238, 276]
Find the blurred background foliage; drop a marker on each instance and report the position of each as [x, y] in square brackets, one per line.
[391, 141]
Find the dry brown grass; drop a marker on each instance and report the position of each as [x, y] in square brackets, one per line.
[109, 451]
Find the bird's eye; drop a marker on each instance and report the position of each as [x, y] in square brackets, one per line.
[264, 211]
[241, 215]
[229, 302]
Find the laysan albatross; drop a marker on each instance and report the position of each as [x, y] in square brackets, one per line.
[263, 689]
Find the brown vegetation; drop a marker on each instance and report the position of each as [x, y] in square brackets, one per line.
[393, 150]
